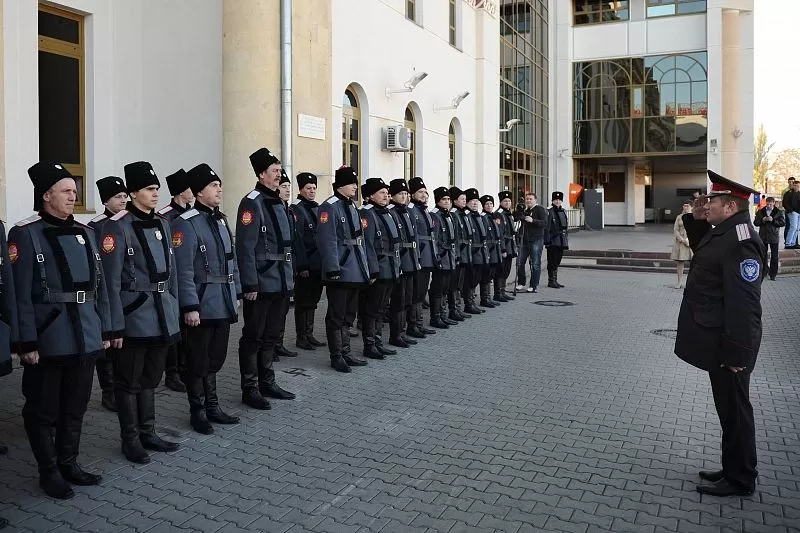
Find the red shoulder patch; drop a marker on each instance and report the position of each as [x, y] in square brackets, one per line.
[497, 221]
[177, 239]
[323, 217]
[247, 217]
[13, 252]
[109, 244]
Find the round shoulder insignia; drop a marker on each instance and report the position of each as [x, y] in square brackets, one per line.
[323, 217]
[749, 270]
[177, 239]
[13, 252]
[364, 223]
[247, 217]
[109, 244]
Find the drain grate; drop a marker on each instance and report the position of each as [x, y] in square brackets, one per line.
[553, 303]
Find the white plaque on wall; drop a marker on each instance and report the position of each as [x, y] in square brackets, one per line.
[310, 126]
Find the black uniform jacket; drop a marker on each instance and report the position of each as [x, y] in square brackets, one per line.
[720, 317]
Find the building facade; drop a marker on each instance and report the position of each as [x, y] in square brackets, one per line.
[647, 95]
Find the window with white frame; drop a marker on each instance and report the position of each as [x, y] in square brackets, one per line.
[666, 8]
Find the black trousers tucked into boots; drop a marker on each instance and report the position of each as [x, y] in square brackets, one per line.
[138, 368]
[264, 319]
[206, 348]
[440, 285]
[400, 302]
[554, 255]
[342, 309]
[456, 285]
[377, 297]
[56, 396]
[176, 358]
[307, 293]
[104, 367]
[732, 400]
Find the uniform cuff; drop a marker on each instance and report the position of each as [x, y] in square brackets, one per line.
[249, 288]
[735, 354]
[24, 347]
[333, 274]
[190, 308]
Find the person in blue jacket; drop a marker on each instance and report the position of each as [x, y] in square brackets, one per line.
[345, 272]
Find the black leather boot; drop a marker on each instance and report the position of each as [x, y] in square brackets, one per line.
[350, 358]
[395, 330]
[419, 319]
[283, 351]
[555, 278]
[503, 284]
[128, 414]
[334, 337]
[44, 450]
[551, 280]
[301, 329]
[146, 401]
[379, 341]
[410, 322]
[461, 306]
[436, 316]
[486, 300]
[173, 381]
[197, 411]
[272, 390]
[252, 398]
[68, 442]
[213, 411]
[105, 377]
[368, 334]
[54, 485]
[469, 304]
[310, 329]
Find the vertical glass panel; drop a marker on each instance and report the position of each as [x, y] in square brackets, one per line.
[637, 102]
[616, 136]
[354, 130]
[652, 100]
[637, 135]
[623, 102]
[698, 6]
[61, 28]
[59, 109]
[660, 134]
[667, 99]
[683, 98]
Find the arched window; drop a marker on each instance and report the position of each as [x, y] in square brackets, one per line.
[454, 155]
[410, 166]
[351, 124]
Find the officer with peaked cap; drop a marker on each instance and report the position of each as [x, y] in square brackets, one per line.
[445, 259]
[508, 237]
[264, 256]
[719, 326]
[426, 237]
[142, 283]
[556, 238]
[382, 239]
[182, 198]
[494, 250]
[208, 294]
[63, 317]
[345, 271]
[480, 253]
[460, 285]
[285, 193]
[114, 196]
[308, 282]
[401, 330]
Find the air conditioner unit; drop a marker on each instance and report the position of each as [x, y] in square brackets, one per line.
[396, 139]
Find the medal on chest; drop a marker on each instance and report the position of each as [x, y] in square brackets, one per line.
[158, 235]
[80, 239]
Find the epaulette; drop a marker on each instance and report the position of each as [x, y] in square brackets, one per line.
[29, 220]
[165, 210]
[499, 210]
[433, 210]
[332, 200]
[743, 231]
[390, 206]
[296, 201]
[453, 210]
[119, 215]
[189, 214]
[483, 213]
[253, 194]
[368, 206]
[100, 217]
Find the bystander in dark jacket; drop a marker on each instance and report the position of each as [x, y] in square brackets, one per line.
[768, 219]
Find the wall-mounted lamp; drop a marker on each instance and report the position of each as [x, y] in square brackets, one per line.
[409, 85]
[456, 102]
[509, 124]
[712, 145]
[563, 152]
[737, 132]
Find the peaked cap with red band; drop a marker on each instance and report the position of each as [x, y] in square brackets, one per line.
[721, 186]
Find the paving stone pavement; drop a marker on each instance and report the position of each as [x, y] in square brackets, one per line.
[528, 418]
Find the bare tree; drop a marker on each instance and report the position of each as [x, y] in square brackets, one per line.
[761, 163]
[785, 164]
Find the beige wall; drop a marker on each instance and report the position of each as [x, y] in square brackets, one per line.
[251, 87]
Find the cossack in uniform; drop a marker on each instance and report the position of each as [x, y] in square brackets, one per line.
[208, 284]
[108, 187]
[426, 240]
[382, 242]
[719, 328]
[264, 256]
[508, 243]
[461, 288]
[308, 283]
[174, 367]
[480, 248]
[494, 250]
[63, 315]
[142, 283]
[445, 260]
[556, 239]
[345, 272]
[401, 329]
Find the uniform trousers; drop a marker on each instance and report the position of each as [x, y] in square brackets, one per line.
[732, 400]
[477, 273]
[402, 293]
[554, 255]
[206, 347]
[264, 319]
[440, 284]
[341, 313]
[456, 285]
[307, 291]
[104, 366]
[490, 271]
[374, 307]
[138, 368]
[773, 258]
[56, 395]
[422, 281]
[506, 267]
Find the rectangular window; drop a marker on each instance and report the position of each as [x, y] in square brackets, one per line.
[666, 8]
[411, 10]
[453, 17]
[599, 11]
[61, 94]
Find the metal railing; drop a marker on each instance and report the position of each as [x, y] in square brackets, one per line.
[575, 219]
